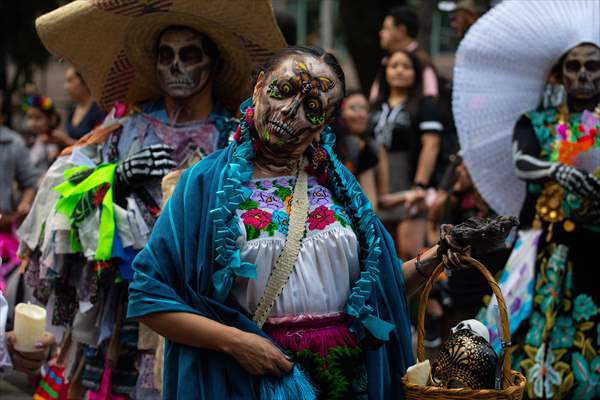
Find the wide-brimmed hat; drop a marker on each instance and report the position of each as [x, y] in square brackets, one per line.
[502, 66]
[112, 43]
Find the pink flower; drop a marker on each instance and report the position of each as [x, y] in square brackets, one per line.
[320, 218]
[120, 109]
[256, 218]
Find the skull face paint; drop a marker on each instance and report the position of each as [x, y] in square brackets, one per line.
[294, 102]
[581, 72]
[182, 66]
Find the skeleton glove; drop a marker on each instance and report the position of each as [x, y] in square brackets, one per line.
[577, 181]
[150, 163]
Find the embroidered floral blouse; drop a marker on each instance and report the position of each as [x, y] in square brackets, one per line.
[328, 263]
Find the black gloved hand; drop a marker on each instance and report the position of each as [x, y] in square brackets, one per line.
[577, 181]
[148, 164]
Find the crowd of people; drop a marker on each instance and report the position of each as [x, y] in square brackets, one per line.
[274, 270]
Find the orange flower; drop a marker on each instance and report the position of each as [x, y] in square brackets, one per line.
[288, 204]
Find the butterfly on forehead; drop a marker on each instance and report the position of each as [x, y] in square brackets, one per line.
[308, 84]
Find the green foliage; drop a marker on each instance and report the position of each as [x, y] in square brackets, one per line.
[334, 374]
[248, 205]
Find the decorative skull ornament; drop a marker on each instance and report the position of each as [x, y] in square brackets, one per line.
[294, 102]
[474, 326]
[466, 360]
[581, 72]
[183, 67]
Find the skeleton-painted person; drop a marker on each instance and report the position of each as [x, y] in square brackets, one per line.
[557, 152]
[268, 271]
[176, 70]
[530, 141]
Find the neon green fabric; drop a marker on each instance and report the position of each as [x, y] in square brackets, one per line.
[71, 194]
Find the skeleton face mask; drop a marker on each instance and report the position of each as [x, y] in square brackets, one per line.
[294, 102]
[182, 66]
[581, 72]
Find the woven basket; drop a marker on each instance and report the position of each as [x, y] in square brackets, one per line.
[513, 382]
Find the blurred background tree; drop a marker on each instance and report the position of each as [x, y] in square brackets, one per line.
[21, 51]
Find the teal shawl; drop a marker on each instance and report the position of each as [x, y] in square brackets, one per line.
[191, 261]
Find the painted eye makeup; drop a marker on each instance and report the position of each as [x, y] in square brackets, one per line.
[314, 111]
[273, 90]
[313, 105]
[286, 89]
[165, 55]
[316, 119]
[573, 66]
[191, 54]
[279, 90]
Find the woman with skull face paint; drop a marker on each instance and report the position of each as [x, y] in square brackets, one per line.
[286, 268]
[539, 157]
[550, 289]
[556, 151]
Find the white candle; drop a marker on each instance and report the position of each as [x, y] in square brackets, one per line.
[30, 325]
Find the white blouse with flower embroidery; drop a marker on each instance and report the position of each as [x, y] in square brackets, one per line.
[328, 263]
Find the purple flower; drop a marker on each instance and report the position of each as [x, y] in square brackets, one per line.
[267, 200]
[319, 196]
[283, 182]
[267, 184]
[251, 185]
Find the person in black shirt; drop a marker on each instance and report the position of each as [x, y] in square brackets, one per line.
[86, 115]
[354, 145]
[408, 126]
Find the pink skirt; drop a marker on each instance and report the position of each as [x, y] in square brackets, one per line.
[314, 333]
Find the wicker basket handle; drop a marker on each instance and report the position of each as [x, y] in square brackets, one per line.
[505, 335]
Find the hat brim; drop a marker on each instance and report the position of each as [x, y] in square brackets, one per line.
[112, 43]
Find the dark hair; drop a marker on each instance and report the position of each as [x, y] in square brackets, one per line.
[313, 51]
[352, 92]
[46, 106]
[405, 16]
[80, 77]
[415, 91]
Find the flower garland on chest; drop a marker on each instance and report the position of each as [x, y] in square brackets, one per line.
[563, 136]
[325, 165]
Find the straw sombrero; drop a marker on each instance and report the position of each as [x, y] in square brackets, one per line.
[111, 42]
[502, 65]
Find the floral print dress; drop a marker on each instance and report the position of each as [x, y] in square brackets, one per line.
[308, 318]
[559, 347]
[328, 263]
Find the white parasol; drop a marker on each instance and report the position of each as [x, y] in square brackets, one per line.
[501, 69]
